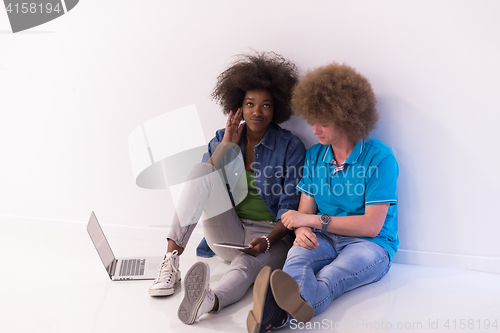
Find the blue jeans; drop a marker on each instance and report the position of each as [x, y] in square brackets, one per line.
[337, 265]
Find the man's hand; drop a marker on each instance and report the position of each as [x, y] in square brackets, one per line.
[306, 238]
[257, 246]
[293, 219]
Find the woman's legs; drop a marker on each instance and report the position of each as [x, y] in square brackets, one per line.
[226, 227]
[205, 195]
[245, 268]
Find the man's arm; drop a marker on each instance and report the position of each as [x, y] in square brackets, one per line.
[367, 225]
[304, 236]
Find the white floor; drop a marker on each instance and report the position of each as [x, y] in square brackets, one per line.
[53, 281]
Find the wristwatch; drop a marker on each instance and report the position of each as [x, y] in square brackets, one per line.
[325, 220]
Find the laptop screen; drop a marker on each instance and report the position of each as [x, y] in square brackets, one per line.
[100, 242]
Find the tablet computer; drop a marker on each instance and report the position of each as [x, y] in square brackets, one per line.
[236, 246]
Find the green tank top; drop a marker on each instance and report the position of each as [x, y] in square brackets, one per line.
[252, 207]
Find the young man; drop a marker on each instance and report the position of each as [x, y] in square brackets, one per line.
[346, 224]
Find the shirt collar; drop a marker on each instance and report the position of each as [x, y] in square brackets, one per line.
[269, 138]
[356, 152]
[353, 156]
[328, 155]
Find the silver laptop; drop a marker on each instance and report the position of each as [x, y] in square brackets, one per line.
[143, 268]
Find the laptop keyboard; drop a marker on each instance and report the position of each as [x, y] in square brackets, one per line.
[132, 267]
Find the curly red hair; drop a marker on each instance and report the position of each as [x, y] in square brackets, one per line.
[339, 94]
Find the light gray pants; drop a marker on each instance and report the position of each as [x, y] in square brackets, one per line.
[205, 195]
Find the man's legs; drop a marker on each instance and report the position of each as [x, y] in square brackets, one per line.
[359, 262]
[303, 265]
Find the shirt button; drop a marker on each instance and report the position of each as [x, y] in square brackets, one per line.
[236, 174]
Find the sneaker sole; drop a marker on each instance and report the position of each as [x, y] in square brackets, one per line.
[164, 292]
[195, 287]
[286, 293]
[260, 287]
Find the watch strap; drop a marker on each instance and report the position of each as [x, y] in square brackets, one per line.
[325, 220]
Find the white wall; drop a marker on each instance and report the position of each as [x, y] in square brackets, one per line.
[73, 89]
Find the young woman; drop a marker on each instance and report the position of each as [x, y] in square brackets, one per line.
[347, 223]
[246, 183]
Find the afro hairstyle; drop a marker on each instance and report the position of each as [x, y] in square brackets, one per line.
[266, 70]
[339, 94]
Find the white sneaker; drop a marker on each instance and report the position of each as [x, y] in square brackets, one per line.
[168, 277]
[198, 297]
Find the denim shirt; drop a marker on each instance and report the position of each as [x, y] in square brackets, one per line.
[278, 163]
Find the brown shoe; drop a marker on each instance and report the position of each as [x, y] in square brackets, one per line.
[260, 288]
[287, 295]
[265, 314]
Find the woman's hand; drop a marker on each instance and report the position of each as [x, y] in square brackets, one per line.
[292, 219]
[233, 127]
[257, 246]
[306, 238]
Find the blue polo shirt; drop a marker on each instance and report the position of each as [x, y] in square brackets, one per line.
[368, 177]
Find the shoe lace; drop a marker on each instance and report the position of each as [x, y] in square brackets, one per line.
[167, 268]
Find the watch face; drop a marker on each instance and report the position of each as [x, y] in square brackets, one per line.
[325, 219]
